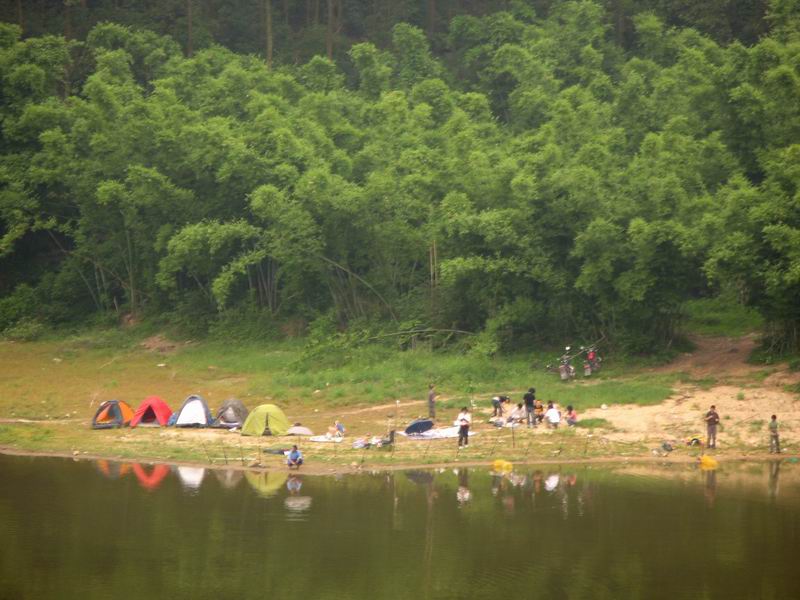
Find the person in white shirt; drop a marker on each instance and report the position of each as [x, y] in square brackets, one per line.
[463, 420]
[517, 415]
[552, 416]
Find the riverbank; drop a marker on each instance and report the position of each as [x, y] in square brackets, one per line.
[49, 392]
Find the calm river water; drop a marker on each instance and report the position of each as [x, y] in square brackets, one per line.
[109, 530]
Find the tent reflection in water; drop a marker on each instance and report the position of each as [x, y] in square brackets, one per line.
[111, 414]
[233, 413]
[229, 478]
[112, 469]
[266, 419]
[153, 479]
[266, 483]
[191, 477]
[194, 412]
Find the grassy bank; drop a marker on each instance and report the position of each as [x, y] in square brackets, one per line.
[50, 389]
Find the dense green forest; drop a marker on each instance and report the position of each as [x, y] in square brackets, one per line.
[531, 171]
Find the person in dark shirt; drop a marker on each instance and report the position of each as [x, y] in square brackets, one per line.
[712, 420]
[530, 400]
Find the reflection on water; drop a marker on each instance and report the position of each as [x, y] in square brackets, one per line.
[533, 532]
[191, 477]
[150, 477]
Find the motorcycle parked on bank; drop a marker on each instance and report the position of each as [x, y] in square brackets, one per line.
[565, 368]
[591, 363]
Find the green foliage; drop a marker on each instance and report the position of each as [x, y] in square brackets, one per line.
[723, 315]
[24, 330]
[526, 175]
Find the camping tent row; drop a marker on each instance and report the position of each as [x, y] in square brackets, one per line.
[266, 419]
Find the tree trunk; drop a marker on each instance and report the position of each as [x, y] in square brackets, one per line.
[132, 296]
[329, 32]
[189, 40]
[268, 12]
[316, 12]
[67, 21]
[431, 18]
[20, 16]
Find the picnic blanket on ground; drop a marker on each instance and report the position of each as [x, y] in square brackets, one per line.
[325, 438]
[439, 433]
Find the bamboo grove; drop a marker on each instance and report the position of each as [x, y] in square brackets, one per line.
[526, 171]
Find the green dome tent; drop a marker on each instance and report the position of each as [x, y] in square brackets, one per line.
[266, 416]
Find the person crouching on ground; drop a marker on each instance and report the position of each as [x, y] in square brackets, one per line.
[552, 415]
[336, 430]
[572, 416]
[517, 415]
[464, 419]
[497, 405]
[538, 412]
[295, 458]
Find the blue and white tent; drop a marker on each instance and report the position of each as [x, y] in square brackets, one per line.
[193, 413]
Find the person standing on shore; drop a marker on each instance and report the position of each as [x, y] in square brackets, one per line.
[712, 420]
[530, 400]
[464, 420]
[431, 401]
[774, 440]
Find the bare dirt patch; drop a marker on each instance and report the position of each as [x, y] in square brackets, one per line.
[744, 400]
[160, 344]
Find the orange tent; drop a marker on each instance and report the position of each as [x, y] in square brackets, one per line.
[111, 414]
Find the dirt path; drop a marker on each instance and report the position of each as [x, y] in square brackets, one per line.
[717, 357]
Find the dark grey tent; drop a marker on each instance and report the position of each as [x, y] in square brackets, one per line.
[231, 414]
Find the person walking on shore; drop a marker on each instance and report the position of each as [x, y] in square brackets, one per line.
[431, 401]
[464, 420]
[774, 440]
[530, 400]
[712, 420]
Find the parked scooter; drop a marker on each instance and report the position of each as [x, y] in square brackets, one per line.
[593, 359]
[591, 364]
[566, 370]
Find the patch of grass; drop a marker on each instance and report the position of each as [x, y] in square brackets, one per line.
[793, 388]
[722, 315]
[594, 424]
[756, 426]
[704, 383]
[642, 392]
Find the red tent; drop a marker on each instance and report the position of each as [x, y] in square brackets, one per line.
[153, 411]
[153, 479]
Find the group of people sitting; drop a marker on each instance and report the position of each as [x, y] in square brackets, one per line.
[531, 411]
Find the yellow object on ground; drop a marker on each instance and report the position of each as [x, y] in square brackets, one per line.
[502, 465]
[708, 463]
